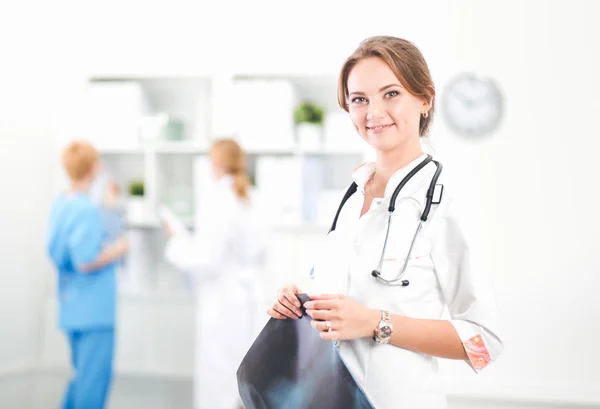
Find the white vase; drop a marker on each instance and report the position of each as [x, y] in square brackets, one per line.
[309, 135]
[136, 209]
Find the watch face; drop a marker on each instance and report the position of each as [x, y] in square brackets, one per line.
[472, 105]
[385, 332]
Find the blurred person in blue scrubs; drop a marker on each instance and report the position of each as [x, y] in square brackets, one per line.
[86, 266]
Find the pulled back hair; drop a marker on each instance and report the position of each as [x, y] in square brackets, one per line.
[230, 156]
[407, 63]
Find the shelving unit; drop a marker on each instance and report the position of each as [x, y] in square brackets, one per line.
[212, 107]
[303, 180]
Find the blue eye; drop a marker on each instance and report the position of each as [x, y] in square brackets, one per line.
[391, 94]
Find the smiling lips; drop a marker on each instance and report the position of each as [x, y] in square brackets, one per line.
[379, 128]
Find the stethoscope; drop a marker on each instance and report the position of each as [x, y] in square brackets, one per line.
[428, 202]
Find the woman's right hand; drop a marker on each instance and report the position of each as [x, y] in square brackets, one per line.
[287, 304]
[167, 229]
[123, 245]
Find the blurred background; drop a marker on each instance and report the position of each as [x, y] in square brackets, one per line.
[151, 85]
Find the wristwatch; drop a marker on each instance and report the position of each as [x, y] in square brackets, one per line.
[383, 331]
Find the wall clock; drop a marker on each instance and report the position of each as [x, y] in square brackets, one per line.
[472, 105]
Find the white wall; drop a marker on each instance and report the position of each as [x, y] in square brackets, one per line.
[36, 64]
[25, 196]
[536, 180]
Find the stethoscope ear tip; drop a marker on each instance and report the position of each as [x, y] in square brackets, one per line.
[375, 273]
[405, 283]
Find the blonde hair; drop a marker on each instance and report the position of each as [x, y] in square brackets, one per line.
[78, 159]
[228, 154]
[407, 63]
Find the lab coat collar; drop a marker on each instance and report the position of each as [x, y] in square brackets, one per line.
[225, 180]
[363, 173]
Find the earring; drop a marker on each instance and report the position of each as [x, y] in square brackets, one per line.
[425, 114]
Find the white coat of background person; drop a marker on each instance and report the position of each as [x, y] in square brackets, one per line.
[391, 336]
[225, 258]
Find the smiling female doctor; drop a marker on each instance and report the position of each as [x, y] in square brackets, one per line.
[394, 261]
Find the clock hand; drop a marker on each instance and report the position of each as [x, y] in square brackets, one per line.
[468, 102]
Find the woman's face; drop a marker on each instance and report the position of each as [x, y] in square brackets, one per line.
[382, 111]
[218, 171]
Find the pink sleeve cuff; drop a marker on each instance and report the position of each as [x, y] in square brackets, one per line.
[477, 352]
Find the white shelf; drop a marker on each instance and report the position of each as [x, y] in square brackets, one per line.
[190, 148]
[175, 147]
[146, 224]
[307, 227]
[178, 297]
[122, 151]
[167, 147]
[152, 223]
[332, 152]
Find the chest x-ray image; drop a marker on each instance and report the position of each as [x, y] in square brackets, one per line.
[290, 366]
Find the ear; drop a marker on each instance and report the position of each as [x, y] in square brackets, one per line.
[96, 169]
[427, 101]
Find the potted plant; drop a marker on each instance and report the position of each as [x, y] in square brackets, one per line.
[136, 204]
[308, 118]
[136, 188]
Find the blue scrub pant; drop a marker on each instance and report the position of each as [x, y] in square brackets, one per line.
[92, 355]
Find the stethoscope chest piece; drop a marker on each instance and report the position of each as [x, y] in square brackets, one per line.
[403, 283]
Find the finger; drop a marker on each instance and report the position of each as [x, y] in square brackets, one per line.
[291, 297]
[275, 314]
[289, 304]
[336, 296]
[322, 304]
[321, 315]
[331, 335]
[285, 303]
[284, 311]
[327, 326]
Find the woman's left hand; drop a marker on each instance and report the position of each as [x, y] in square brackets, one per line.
[341, 318]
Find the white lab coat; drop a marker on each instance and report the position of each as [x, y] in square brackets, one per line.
[443, 272]
[225, 258]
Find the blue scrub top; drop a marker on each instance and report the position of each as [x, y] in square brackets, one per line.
[76, 237]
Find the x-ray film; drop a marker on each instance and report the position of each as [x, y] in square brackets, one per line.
[289, 366]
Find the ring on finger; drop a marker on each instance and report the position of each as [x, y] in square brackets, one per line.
[328, 326]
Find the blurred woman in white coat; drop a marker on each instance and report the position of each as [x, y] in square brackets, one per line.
[225, 258]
